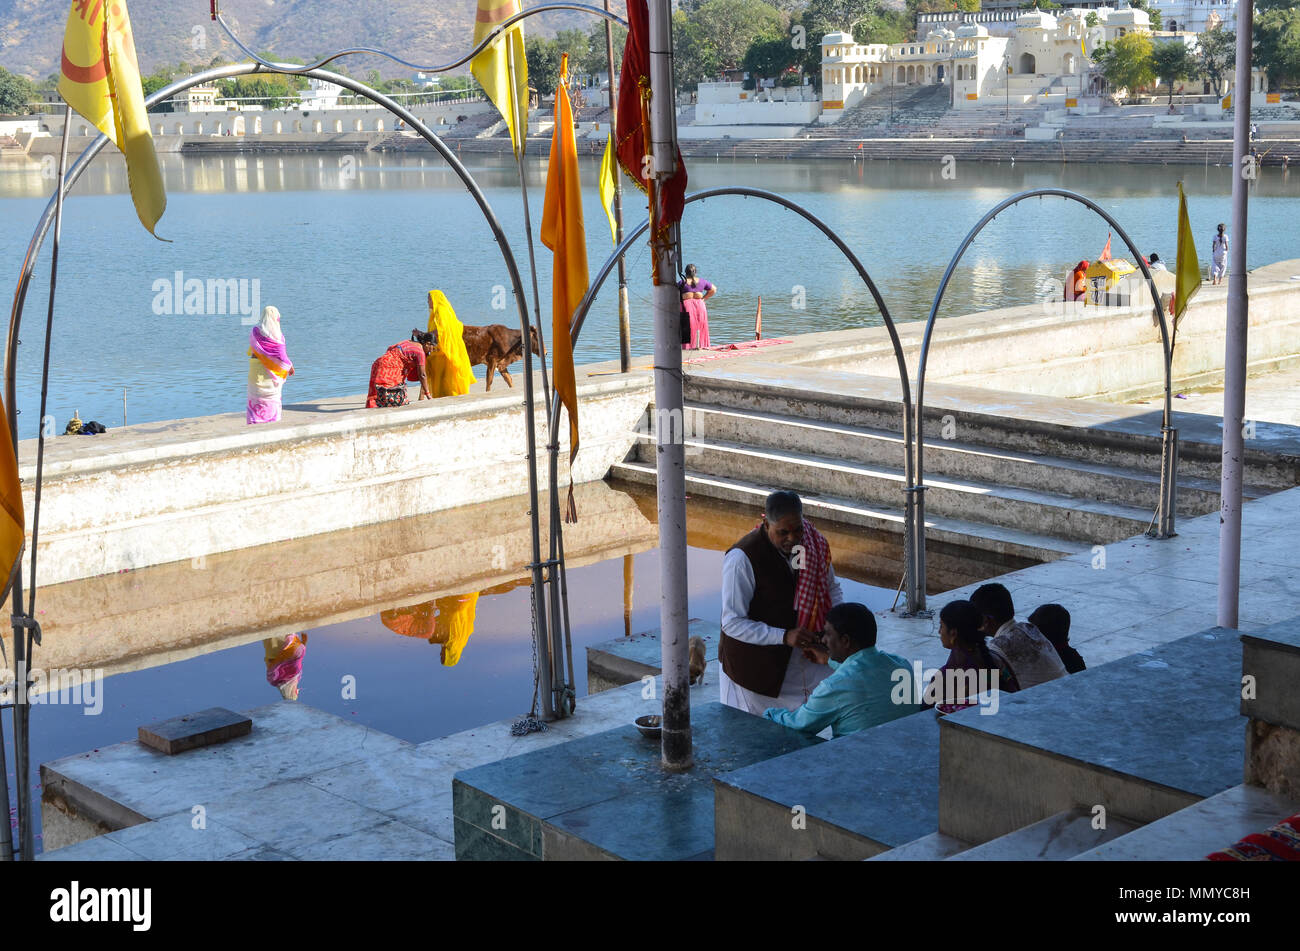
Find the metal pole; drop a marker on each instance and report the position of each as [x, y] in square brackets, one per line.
[671, 474]
[1234, 358]
[624, 314]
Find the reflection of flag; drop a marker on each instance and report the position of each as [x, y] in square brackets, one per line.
[100, 79]
[1105, 252]
[12, 524]
[502, 69]
[634, 121]
[607, 187]
[562, 232]
[456, 617]
[1187, 271]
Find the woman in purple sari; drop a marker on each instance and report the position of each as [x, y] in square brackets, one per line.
[268, 367]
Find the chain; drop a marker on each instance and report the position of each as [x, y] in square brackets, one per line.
[531, 723]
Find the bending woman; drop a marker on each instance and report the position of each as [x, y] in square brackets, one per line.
[401, 362]
[450, 373]
[268, 367]
[695, 291]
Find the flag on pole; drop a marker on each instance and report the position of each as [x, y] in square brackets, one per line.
[12, 523]
[607, 186]
[1105, 252]
[634, 151]
[562, 231]
[502, 69]
[100, 79]
[1187, 270]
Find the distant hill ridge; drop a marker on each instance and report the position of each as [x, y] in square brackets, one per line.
[167, 31]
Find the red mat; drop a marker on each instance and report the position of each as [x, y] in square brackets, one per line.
[1281, 843]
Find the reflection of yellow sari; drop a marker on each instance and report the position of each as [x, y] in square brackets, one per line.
[448, 367]
[451, 627]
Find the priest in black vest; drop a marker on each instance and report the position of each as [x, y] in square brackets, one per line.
[777, 586]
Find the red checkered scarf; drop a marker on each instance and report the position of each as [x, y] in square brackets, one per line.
[812, 592]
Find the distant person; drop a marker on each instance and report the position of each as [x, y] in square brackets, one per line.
[1077, 288]
[859, 692]
[1155, 263]
[401, 362]
[1054, 621]
[971, 668]
[777, 589]
[1021, 646]
[268, 367]
[1219, 256]
[449, 369]
[695, 291]
[283, 656]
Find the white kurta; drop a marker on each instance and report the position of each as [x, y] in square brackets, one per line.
[801, 676]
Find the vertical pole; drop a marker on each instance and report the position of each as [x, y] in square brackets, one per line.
[1234, 359]
[628, 568]
[670, 438]
[624, 316]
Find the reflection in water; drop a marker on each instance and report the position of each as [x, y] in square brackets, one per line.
[447, 621]
[284, 662]
[627, 595]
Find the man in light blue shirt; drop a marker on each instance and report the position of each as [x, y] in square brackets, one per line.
[860, 693]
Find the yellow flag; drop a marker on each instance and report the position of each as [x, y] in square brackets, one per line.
[12, 524]
[100, 79]
[607, 185]
[562, 231]
[501, 69]
[1187, 271]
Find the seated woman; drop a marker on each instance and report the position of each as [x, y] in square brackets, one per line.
[957, 683]
[401, 362]
[1054, 621]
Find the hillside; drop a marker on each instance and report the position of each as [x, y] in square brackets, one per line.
[168, 31]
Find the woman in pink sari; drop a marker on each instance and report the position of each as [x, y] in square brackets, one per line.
[268, 367]
[695, 290]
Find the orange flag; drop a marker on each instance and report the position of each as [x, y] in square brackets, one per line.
[12, 523]
[1105, 252]
[562, 231]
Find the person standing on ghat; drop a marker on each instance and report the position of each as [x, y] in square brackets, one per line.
[777, 588]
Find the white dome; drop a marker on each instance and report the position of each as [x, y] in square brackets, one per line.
[1036, 19]
[942, 34]
[972, 29]
[1129, 17]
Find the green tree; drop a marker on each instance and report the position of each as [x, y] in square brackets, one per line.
[1157, 18]
[844, 15]
[15, 93]
[734, 25]
[1173, 63]
[695, 58]
[1127, 62]
[596, 62]
[1277, 45]
[543, 64]
[1091, 19]
[1216, 57]
[770, 58]
[887, 26]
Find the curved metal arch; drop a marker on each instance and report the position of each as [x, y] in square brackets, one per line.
[580, 316]
[1167, 487]
[397, 109]
[295, 70]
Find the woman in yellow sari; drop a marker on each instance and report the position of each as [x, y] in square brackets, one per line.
[448, 367]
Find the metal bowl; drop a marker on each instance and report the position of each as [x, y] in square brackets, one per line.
[649, 725]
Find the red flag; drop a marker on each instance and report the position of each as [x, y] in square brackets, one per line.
[1105, 252]
[634, 121]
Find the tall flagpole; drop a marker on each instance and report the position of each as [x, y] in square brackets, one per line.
[624, 318]
[1234, 359]
[671, 468]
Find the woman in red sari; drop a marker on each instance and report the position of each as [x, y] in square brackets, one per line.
[401, 362]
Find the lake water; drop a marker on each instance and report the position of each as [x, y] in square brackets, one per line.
[346, 246]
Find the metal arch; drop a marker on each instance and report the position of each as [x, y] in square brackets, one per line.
[1168, 481]
[580, 316]
[241, 69]
[294, 69]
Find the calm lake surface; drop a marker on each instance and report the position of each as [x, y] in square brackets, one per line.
[348, 245]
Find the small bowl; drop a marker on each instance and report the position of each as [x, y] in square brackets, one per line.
[649, 725]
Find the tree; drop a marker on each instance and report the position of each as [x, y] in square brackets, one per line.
[887, 26]
[1277, 45]
[543, 58]
[1091, 19]
[770, 58]
[695, 59]
[1157, 18]
[596, 62]
[733, 26]
[841, 15]
[1173, 63]
[15, 93]
[1216, 56]
[1127, 62]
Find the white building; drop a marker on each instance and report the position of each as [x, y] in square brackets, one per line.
[1195, 16]
[320, 94]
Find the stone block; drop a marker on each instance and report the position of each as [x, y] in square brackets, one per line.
[192, 730]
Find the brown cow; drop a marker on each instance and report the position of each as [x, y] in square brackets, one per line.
[497, 346]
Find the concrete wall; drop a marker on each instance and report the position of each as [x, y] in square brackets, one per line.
[164, 492]
[757, 113]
